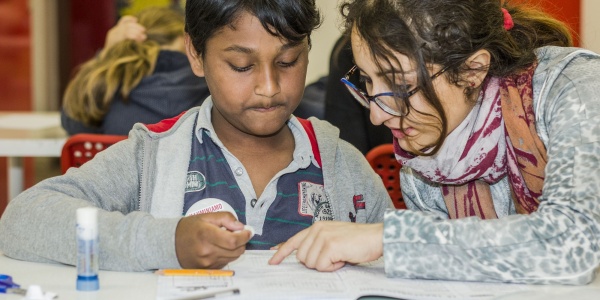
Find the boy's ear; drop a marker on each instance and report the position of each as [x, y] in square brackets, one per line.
[478, 65]
[193, 57]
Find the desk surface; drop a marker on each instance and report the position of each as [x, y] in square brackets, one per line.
[31, 134]
[255, 283]
[61, 280]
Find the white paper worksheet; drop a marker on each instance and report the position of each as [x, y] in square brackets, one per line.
[256, 279]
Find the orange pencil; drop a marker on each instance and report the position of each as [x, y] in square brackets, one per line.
[195, 272]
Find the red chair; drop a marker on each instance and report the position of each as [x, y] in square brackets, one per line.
[383, 161]
[82, 147]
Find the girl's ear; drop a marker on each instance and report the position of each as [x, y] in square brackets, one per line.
[478, 64]
[193, 57]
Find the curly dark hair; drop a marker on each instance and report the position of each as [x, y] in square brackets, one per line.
[447, 33]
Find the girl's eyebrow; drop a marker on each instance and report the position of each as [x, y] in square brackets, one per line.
[390, 71]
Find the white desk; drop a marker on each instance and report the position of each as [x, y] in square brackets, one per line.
[256, 280]
[61, 280]
[28, 134]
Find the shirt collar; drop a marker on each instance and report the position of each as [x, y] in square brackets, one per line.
[303, 154]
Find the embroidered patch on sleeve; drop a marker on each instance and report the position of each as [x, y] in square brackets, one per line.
[359, 202]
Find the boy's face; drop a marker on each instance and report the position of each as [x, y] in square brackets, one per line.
[256, 79]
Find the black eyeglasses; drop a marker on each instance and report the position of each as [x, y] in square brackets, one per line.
[380, 99]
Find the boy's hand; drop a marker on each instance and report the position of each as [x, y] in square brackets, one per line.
[328, 246]
[200, 242]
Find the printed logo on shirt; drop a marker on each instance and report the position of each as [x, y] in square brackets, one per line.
[312, 201]
[323, 212]
[195, 182]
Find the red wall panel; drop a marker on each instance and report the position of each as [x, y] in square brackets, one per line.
[15, 69]
[90, 20]
[15, 56]
[568, 11]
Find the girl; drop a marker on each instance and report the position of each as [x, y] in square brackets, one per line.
[496, 122]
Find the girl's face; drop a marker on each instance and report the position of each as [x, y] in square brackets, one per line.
[256, 79]
[421, 130]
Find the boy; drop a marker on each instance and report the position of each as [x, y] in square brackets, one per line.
[242, 147]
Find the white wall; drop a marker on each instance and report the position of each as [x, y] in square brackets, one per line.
[590, 25]
[323, 40]
[44, 55]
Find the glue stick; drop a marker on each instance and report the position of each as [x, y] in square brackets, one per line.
[87, 249]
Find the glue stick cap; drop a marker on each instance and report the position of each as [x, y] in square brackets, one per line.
[87, 222]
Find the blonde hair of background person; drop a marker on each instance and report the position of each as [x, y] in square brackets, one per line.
[129, 55]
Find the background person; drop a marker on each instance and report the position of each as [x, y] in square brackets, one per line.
[342, 110]
[141, 75]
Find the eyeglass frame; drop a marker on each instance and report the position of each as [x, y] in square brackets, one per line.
[366, 99]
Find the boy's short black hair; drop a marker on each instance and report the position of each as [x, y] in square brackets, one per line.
[292, 20]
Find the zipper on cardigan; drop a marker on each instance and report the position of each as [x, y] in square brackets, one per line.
[142, 194]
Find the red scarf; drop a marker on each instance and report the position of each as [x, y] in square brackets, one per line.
[527, 157]
[514, 150]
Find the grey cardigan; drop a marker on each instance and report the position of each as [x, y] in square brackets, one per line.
[560, 242]
[139, 186]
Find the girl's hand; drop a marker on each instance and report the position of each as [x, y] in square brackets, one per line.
[328, 246]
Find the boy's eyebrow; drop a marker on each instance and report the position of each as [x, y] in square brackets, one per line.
[290, 45]
[246, 50]
[236, 48]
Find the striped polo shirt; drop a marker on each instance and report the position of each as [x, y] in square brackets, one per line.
[291, 201]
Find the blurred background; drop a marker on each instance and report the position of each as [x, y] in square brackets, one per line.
[42, 41]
